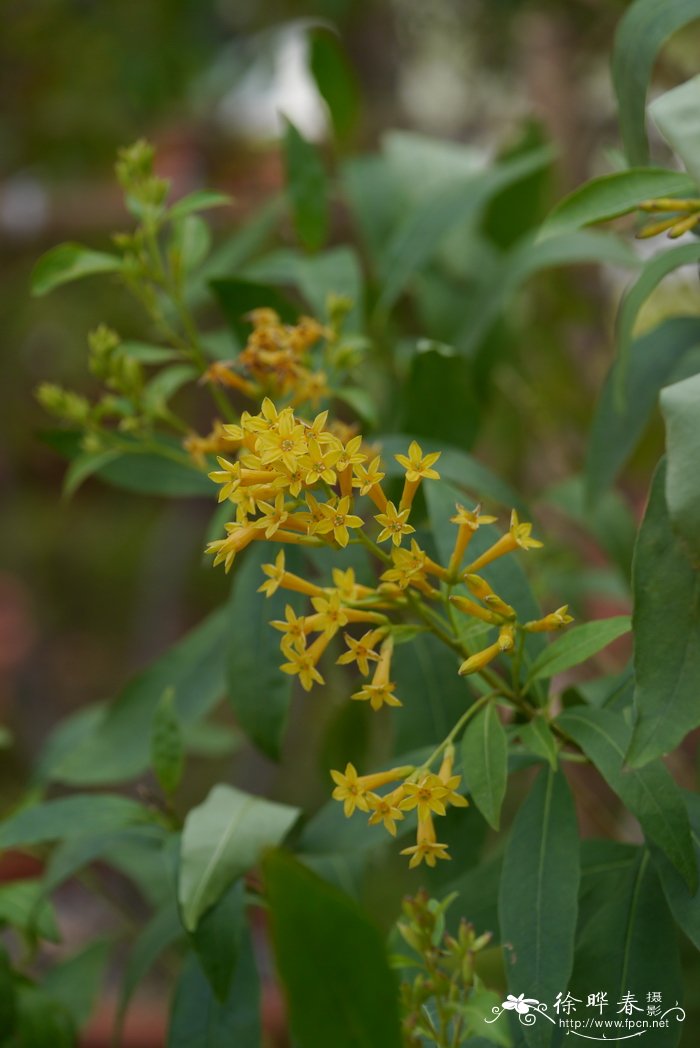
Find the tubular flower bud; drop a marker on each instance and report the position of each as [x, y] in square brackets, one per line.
[556, 620]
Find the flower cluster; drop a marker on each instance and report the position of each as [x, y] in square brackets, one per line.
[682, 216]
[311, 483]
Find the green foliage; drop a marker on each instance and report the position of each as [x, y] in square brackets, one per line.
[306, 185]
[679, 404]
[69, 262]
[167, 755]
[577, 645]
[223, 838]
[485, 762]
[339, 986]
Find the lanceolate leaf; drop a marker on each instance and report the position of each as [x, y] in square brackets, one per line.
[70, 262]
[577, 644]
[643, 29]
[539, 895]
[332, 961]
[307, 188]
[680, 404]
[71, 817]
[218, 937]
[653, 272]
[676, 114]
[685, 905]
[198, 1018]
[667, 635]
[222, 838]
[163, 929]
[485, 762]
[650, 793]
[620, 419]
[626, 940]
[611, 195]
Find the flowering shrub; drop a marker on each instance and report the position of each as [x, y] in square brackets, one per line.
[372, 560]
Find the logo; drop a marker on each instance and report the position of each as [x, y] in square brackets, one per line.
[602, 1021]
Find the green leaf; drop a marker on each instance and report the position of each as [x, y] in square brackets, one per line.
[76, 983]
[607, 197]
[253, 652]
[653, 272]
[684, 904]
[84, 466]
[198, 1018]
[577, 644]
[524, 261]
[439, 398]
[335, 80]
[167, 749]
[116, 745]
[78, 851]
[68, 262]
[42, 1021]
[680, 404]
[485, 762]
[190, 243]
[316, 277]
[620, 420]
[146, 353]
[539, 894]
[626, 940]
[222, 838]
[22, 906]
[644, 28]
[340, 989]
[666, 635]
[200, 200]
[650, 793]
[307, 188]
[163, 929]
[70, 817]
[217, 939]
[158, 391]
[675, 113]
[537, 737]
[426, 225]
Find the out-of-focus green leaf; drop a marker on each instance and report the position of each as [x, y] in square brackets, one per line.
[84, 466]
[684, 905]
[117, 745]
[163, 929]
[650, 793]
[526, 259]
[76, 982]
[146, 353]
[69, 262]
[42, 1021]
[78, 851]
[22, 907]
[439, 396]
[537, 737]
[200, 200]
[485, 762]
[626, 939]
[619, 421]
[644, 28]
[666, 634]
[222, 838]
[167, 750]
[607, 197]
[217, 939]
[424, 228]
[680, 404]
[238, 297]
[70, 817]
[198, 1018]
[675, 114]
[339, 985]
[333, 272]
[653, 272]
[158, 390]
[336, 81]
[539, 895]
[608, 519]
[253, 653]
[577, 644]
[190, 243]
[307, 188]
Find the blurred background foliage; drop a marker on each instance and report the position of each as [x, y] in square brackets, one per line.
[92, 588]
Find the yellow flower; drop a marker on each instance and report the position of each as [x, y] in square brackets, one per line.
[273, 516]
[276, 574]
[319, 463]
[238, 537]
[385, 809]
[381, 690]
[331, 614]
[481, 589]
[427, 849]
[279, 576]
[427, 795]
[293, 627]
[337, 518]
[303, 665]
[268, 419]
[556, 620]
[350, 454]
[286, 442]
[505, 642]
[469, 522]
[518, 535]
[394, 524]
[352, 788]
[360, 651]
[450, 781]
[470, 607]
[417, 465]
[228, 476]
